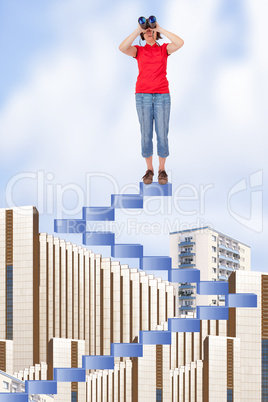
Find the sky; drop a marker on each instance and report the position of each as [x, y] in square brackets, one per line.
[69, 129]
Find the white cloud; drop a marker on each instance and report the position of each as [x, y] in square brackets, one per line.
[72, 104]
[219, 102]
[234, 94]
[76, 111]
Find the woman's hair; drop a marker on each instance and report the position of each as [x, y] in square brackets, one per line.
[158, 36]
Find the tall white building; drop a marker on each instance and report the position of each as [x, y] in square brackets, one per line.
[215, 254]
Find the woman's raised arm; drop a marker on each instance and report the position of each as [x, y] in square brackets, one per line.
[126, 47]
[177, 42]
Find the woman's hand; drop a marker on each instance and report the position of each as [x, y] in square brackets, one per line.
[140, 29]
[158, 28]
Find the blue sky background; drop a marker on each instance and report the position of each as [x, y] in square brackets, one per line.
[67, 109]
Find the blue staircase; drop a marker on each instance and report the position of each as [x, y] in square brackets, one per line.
[147, 263]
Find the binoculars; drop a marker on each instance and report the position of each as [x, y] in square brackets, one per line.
[147, 23]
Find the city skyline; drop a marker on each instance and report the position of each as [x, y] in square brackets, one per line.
[86, 306]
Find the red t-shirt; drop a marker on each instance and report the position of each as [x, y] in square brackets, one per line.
[152, 64]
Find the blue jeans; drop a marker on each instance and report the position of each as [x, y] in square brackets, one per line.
[153, 107]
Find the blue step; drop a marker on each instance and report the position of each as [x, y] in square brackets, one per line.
[127, 251]
[155, 189]
[13, 397]
[212, 312]
[212, 288]
[126, 350]
[98, 238]
[127, 201]
[41, 387]
[98, 362]
[155, 337]
[155, 263]
[184, 325]
[69, 374]
[241, 300]
[98, 213]
[183, 275]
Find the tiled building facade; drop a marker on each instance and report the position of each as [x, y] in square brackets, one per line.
[215, 254]
[60, 302]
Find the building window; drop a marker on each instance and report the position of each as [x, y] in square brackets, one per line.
[9, 307]
[229, 395]
[264, 369]
[214, 270]
[214, 259]
[74, 396]
[213, 238]
[5, 385]
[159, 395]
[213, 249]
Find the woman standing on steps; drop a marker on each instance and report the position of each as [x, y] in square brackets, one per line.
[152, 93]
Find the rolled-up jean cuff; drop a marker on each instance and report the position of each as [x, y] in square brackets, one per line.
[146, 156]
[163, 155]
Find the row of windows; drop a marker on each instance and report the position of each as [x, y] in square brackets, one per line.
[214, 250]
[188, 303]
[214, 260]
[228, 244]
[229, 395]
[188, 239]
[264, 373]
[9, 307]
[159, 395]
[14, 387]
[187, 250]
[186, 261]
